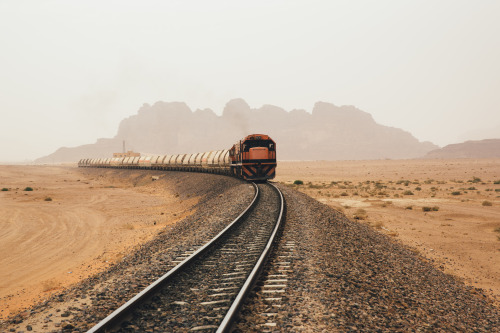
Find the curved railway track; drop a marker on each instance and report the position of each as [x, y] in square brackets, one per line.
[205, 291]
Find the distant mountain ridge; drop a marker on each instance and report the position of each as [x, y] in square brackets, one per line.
[489, 148]
[328, 133]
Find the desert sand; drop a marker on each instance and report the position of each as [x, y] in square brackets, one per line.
[460, 229]
[73, 224]
[77, 222]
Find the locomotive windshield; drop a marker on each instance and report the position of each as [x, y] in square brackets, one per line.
[258, 143]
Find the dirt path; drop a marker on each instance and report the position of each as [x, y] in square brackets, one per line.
[73, 224]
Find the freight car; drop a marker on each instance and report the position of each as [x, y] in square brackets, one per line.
[252, 158]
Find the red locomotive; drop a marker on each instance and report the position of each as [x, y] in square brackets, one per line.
[254, 158]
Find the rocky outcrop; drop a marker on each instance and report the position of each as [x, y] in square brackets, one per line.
[329, 132]
[489, 148]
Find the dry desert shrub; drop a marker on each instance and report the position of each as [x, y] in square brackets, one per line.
[5, 189]
[48, 199]
[298, 182]
[487, 203]
[475, 180]
[360, 214]
[28, 189]
[379, 225]
[407, 193]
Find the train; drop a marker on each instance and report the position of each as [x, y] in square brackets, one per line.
[252, 158]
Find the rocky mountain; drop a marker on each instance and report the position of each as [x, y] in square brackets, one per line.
[328, 133]
[489, 148]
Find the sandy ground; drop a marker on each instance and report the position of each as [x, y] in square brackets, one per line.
[73, 224]
[77, 222]
[461, 230]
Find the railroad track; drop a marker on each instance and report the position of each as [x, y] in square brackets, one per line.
[205, 290]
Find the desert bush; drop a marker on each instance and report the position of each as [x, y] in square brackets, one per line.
[497, 190]
[487, 203]
[28, 189]
[497, 230]
[475, 180]
[409, 207]
[5, 189]
[426, 209]
[344, 194]
[48, 199]
[496, 182]
[408, 193]
[435, 208]
[379, 225]
[456, 193]
[472, 188]
[360, 214]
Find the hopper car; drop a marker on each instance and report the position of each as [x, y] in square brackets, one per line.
[252, 158]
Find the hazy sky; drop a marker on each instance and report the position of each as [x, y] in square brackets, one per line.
[71, 70]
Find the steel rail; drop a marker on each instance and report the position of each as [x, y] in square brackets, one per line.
[228, 320]
[111, 320]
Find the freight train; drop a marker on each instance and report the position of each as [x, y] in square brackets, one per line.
[252, 158]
